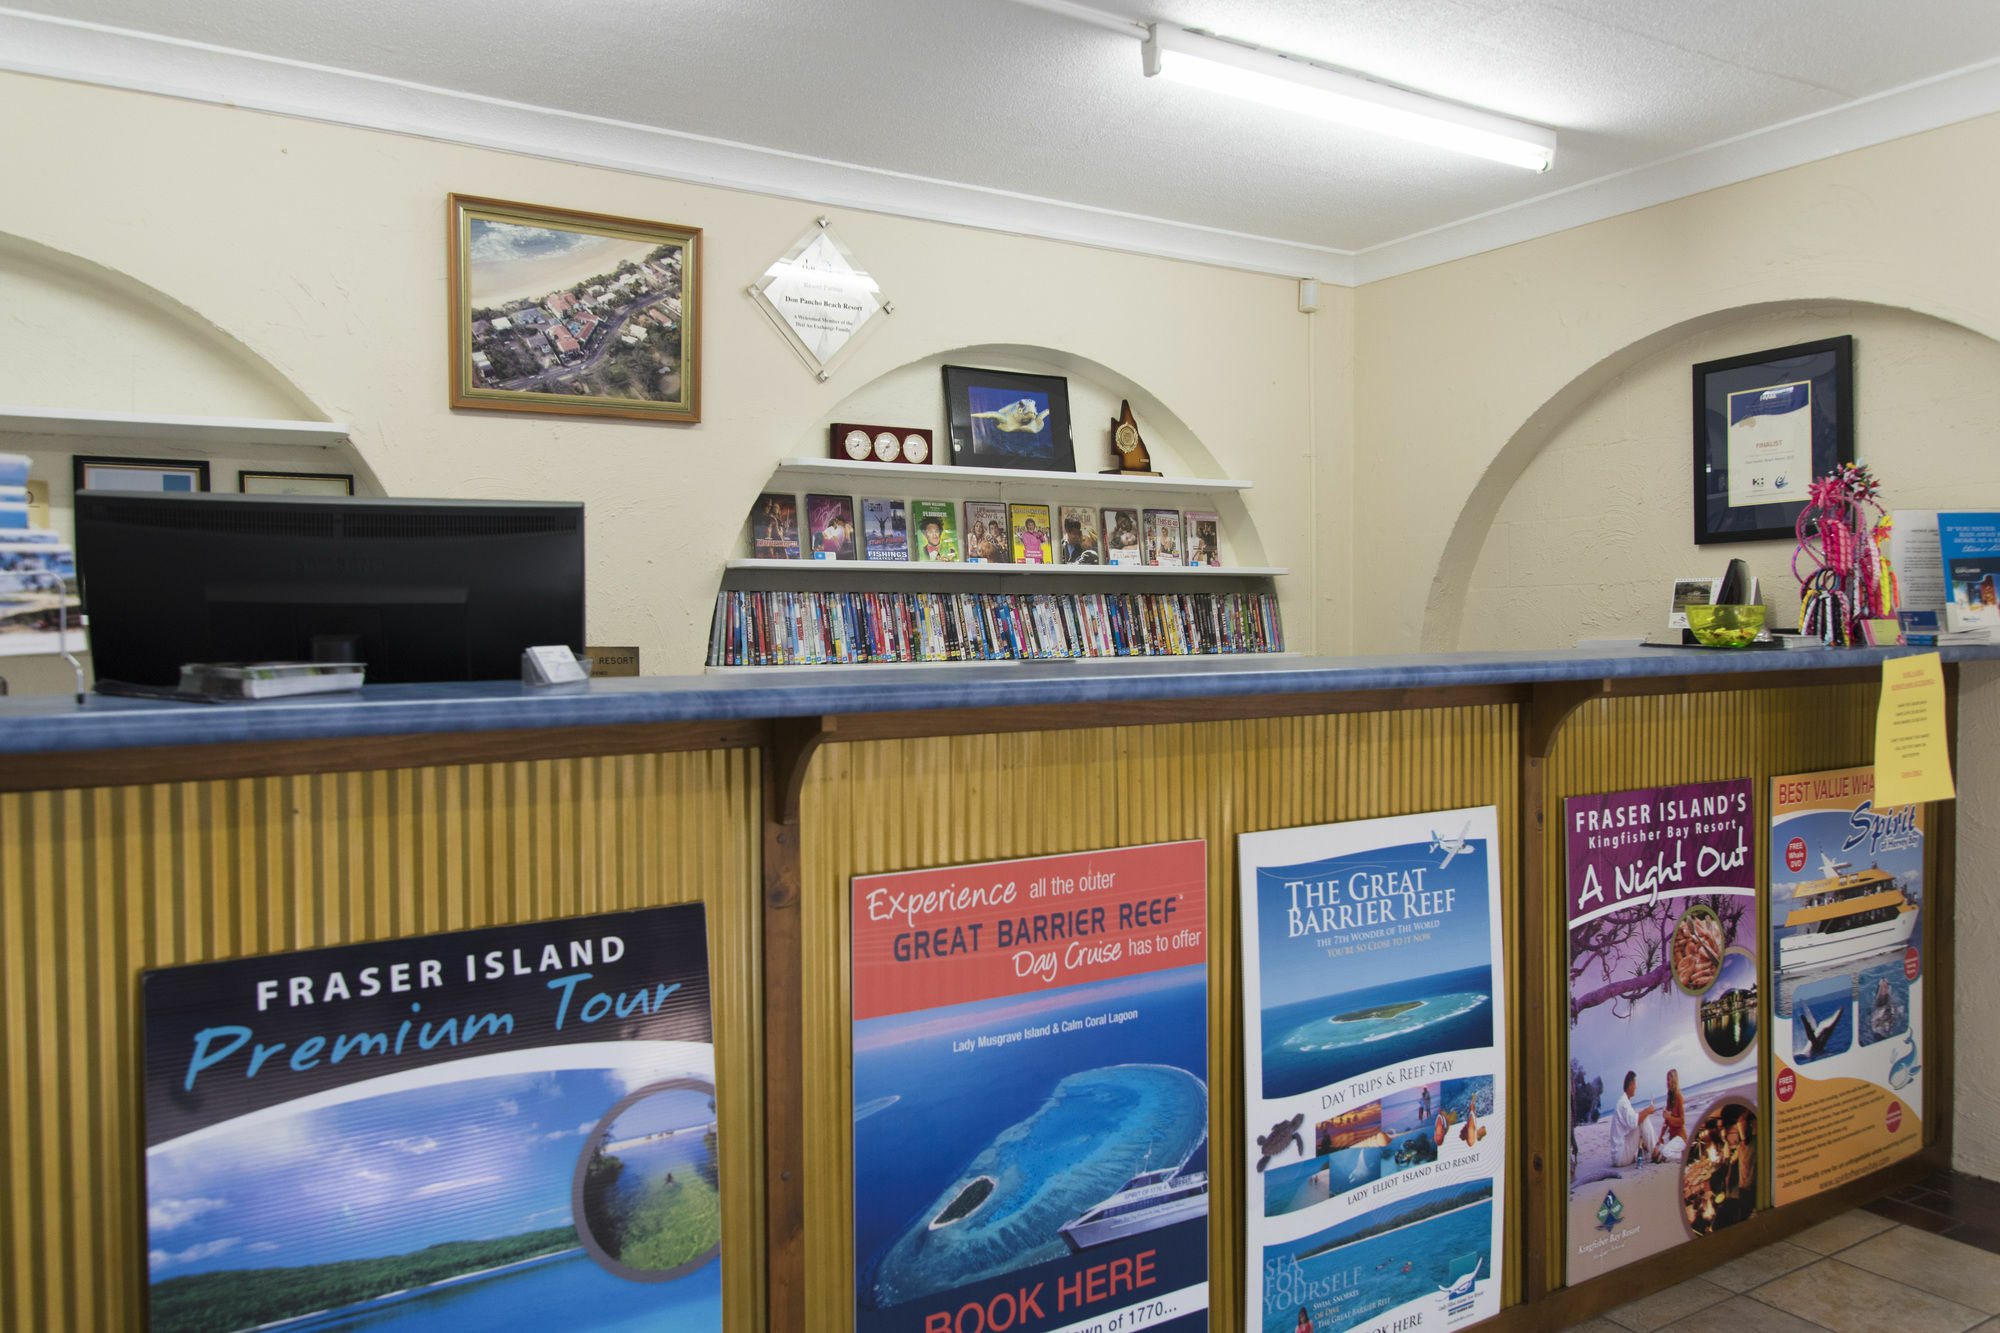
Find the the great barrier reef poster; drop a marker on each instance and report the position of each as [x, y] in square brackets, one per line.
[1374, 1066]
[1663, 1002]
[1847, 972]
[1031, 1094]
[510, 1128]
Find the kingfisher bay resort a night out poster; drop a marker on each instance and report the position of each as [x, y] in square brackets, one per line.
[511, 1128]
[1375, 1069]
[1031, 1095]
[1663, 1005]
[1847, 999]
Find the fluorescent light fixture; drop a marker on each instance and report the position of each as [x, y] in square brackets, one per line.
[1275, 80]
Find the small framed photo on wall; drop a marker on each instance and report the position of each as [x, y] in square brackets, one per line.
[1765, 425]
[139, 474]
[295, 483]
[1005, 419]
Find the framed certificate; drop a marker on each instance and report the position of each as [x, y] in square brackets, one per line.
[1765, 425]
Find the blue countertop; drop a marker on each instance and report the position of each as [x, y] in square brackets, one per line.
[38, 724]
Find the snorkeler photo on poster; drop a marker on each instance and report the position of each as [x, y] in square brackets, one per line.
[1663, 1013]
[1374, 1071]
[1030, 1077]
[509, 1128]
[1847, 967]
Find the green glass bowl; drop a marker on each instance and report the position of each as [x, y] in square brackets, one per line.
[1726, 626]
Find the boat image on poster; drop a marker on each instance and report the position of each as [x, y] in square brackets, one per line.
[1147, 1201]
[1845, 915]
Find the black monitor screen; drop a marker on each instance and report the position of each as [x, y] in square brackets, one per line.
[420, 590]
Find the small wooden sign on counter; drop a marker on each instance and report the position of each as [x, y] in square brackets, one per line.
[613, 661]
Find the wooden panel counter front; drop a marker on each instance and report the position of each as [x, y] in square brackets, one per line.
[117, 859]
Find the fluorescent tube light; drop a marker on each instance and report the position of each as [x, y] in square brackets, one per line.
[1279, 81]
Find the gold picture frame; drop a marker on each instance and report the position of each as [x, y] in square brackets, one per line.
[579, 314]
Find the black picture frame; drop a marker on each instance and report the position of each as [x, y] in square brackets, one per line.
[195, 468]
[1827, 368]
[969, 392]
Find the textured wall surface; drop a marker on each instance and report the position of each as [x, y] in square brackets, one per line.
[900, 805]
[97, 885]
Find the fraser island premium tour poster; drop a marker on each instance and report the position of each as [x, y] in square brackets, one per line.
[510, 1128]
[1847, 965]
[1031, 1094]
[1663, 976]
[1375, 1071]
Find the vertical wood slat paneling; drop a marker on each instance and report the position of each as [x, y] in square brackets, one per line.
[1660, 740]
[97, 884]
[906, 804]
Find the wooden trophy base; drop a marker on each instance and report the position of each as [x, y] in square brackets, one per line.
[1127, 472]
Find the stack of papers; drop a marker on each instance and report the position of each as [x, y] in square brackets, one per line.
[37, 574]
[1948, 575]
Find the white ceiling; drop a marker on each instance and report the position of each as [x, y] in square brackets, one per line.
[1049, 120]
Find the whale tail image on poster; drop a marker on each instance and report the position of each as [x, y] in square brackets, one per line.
[1847, 898]
[1665, 976]
[1374, 1015]
[1031, 1093]
[503, 1129]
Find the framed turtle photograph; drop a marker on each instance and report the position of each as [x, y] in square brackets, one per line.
[1007, 419]
[582, 314]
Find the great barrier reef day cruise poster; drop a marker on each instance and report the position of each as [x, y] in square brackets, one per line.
[1663, 1005]
[1374, 1065]
[1847, 966]
[510, 1128]
[1031, 1094]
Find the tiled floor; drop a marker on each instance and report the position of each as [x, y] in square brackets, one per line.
[1924, 1260]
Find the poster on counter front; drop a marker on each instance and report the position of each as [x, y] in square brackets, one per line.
[1663, 1005]
[511, 1128]
[1031, 1094]
[1375, 1069]
[1847, 893]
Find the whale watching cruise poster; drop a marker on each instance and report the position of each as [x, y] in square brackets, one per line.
[511, 1128]
[1847, 964]
[1663, 1004]
[1031, 1094]
[1374, 1065]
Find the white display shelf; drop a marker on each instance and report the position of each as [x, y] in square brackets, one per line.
[166, 429]
[998, 662]
[889, 476]
[858, 567]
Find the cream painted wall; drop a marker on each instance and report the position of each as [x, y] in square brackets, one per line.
[308, 261]
[1495, 394]
[1586, 539]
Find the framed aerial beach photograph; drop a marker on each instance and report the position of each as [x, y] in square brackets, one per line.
[1765, 425]
[295, 483]
[96, 473]
[581, 314]
[1005, 419]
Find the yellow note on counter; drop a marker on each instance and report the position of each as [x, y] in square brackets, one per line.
[1912, 761]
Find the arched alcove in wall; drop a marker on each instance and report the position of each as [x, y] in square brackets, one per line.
[1582, 519]
[912, 394]
[78, 336]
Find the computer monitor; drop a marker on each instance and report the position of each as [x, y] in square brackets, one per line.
[420, 590]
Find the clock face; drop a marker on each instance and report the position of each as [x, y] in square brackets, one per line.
[886, 447]
[1126, 437]
[916, 449]
[856, 444]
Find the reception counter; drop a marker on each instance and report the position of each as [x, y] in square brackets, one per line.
[137, 834]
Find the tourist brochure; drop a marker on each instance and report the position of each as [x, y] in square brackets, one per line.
[1847, 962]
[508, 1128]
[885, 526]
[1375, 1099]
[1030, 1089]
[1970, 546]
[38, 586]
[1663, 1002]
[937, 531]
